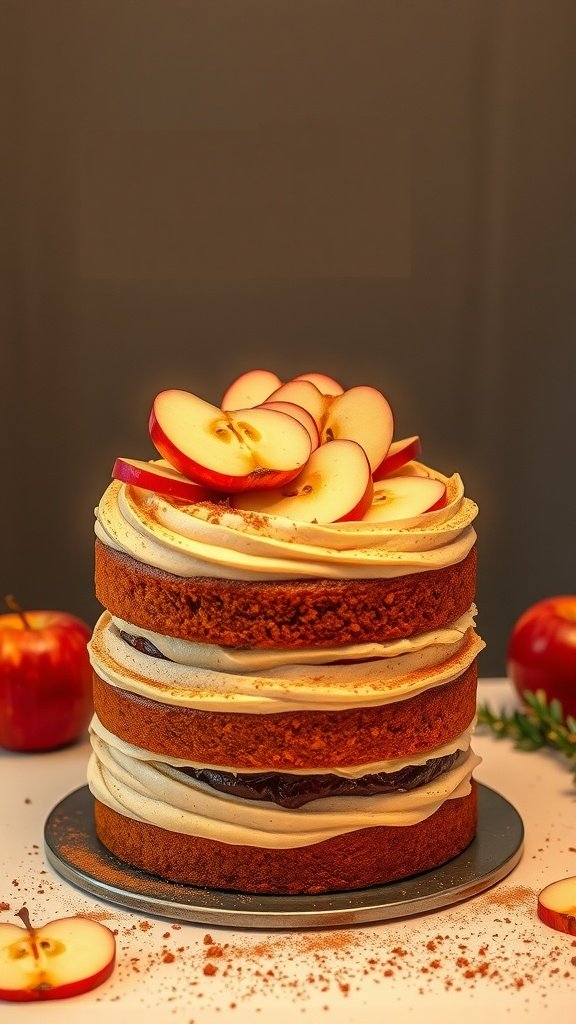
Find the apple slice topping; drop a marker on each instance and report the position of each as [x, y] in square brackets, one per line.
[335, 485]
[557, 905]
[361, 414]
[227, 451]
[327, 385]
[399, 453]
[306, 395]
[162, 479]
[403, 497]
[299, 414]
[250, 389]
[64, 958]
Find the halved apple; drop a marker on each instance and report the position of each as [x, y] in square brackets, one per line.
[62, 959]
[250, 389]
[557, 905]
[300, 414]
[327, 385]
[402, 497]
[227, 450]
[360, 414]
[399, 453]
[335, 485]
[162, 479]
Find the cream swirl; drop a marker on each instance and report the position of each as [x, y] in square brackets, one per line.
[156, 792]
[287, 681]
[214, 540]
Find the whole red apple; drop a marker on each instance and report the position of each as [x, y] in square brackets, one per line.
[542, 651]
[45, 680]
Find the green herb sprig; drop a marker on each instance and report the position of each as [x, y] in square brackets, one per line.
[541, 724]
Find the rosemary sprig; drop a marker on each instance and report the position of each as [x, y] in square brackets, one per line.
[541, 724]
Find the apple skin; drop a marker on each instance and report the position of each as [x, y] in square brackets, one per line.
[45, 680]
[542, 651]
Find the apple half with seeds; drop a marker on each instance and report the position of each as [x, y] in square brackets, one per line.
[402, 497]
[227, 450]
[64, 958]
[334, 486]
[399, 453]
[162, 479]
[557, 905]
[250, 389]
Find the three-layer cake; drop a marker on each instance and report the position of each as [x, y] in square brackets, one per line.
[282, 705]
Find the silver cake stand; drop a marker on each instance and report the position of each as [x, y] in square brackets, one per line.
[75, 852]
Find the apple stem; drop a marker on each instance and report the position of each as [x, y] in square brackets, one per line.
[24, 916]
[13, 605]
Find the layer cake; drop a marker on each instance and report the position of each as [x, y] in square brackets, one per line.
[282, 704]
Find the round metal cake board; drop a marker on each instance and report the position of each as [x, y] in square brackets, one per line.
[74, 850]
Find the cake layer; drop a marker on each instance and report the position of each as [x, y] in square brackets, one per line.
[289, 740]
[282, 613]
[354, 860]
[436, 658]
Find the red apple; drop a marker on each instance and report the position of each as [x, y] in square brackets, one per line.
[64, 958]
[327, 385]
[542, 651]
[557, 905]
[250, 389]
[162, 479]
[361, 414]
[335, 485]
[228, 451]
[403, 497]
[399, 453]
[45, 680]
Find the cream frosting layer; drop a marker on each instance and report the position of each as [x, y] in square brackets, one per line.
[214, 540]
[156, 793]
[429, 660]
[358, 771]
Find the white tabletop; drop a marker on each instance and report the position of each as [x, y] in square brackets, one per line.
[489, 954]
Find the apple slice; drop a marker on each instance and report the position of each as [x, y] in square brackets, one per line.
[306, 395]
[335, 485]
[64, 958]
[557, 905]
[327, 385]
[250, 389]
[399, 453]
[361, 414]
[402, 497]
[162, 479]
[299, 414]
[227, 451]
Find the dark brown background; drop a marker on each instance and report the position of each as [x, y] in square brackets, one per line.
[380, 190]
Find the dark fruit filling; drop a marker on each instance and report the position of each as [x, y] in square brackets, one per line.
[296, 790]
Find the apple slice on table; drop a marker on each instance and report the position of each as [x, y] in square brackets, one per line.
[161, 479]
[299, 414]
[402, 497]
[250, 389]
[64, 958]
[399, 453]
[360, 414]
[335, 485]
[227, 450]
[327, 385]
[557, 905]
